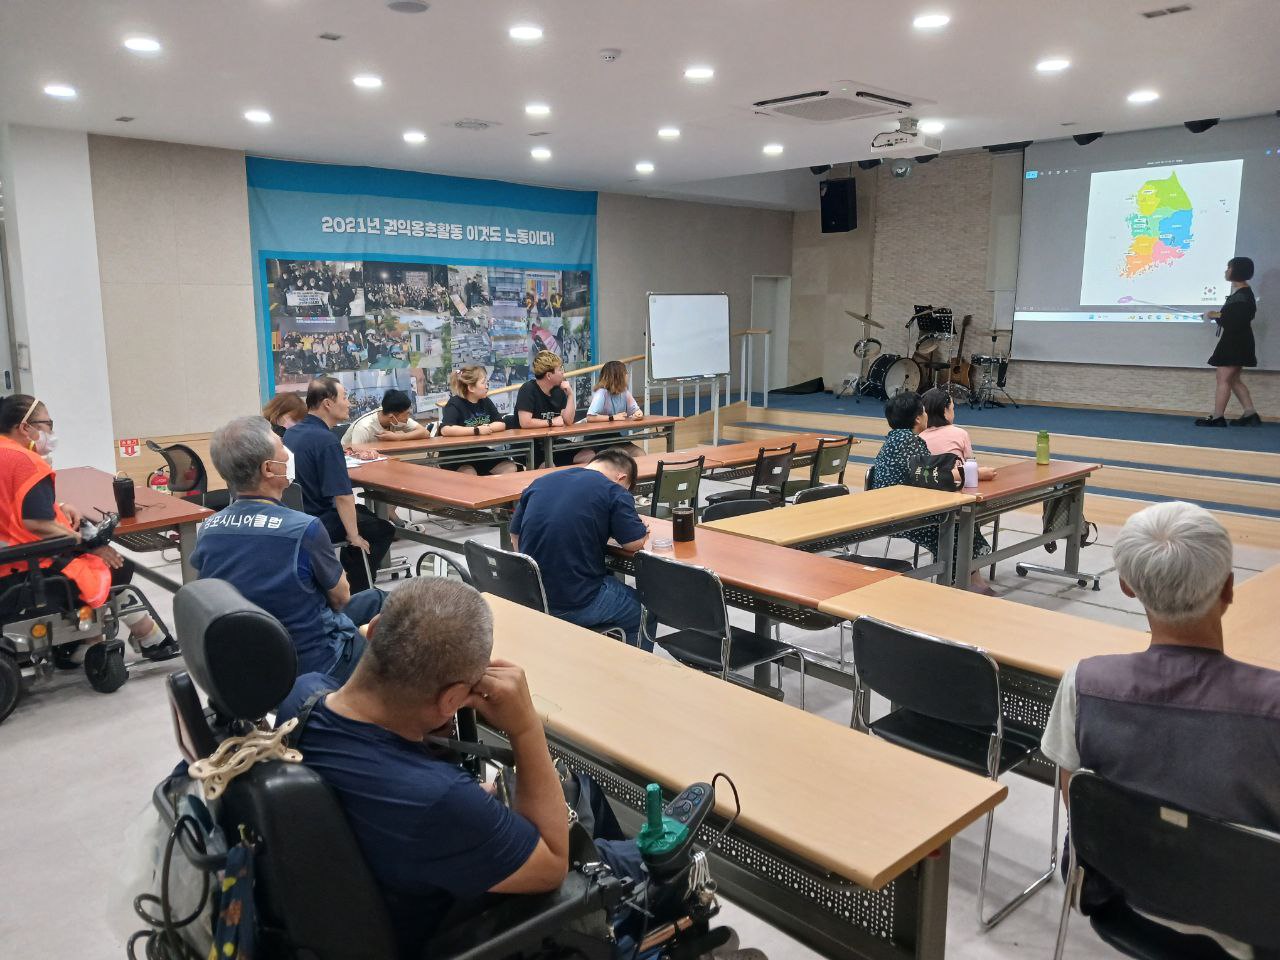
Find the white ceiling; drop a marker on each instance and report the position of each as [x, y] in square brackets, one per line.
[222, 57]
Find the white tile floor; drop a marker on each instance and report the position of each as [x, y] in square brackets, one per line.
[76, 767]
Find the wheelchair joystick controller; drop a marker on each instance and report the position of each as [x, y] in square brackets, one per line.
[94, 535]
[669, 832]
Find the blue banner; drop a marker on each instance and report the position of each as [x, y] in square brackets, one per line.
[387, 278]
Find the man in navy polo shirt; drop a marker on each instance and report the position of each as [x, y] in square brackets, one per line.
[321, 468]
[279, 558]
[564, 521]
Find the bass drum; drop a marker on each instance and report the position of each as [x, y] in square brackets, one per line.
[891, 374]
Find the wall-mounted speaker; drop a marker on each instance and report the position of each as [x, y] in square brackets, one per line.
[839, 199]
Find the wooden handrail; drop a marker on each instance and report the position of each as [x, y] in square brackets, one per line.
[569, 375]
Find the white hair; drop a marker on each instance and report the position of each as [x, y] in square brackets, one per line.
[1175, 557]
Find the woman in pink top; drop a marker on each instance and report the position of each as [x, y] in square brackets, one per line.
[942, 435]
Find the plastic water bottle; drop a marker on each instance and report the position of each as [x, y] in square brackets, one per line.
[970, 474]
[1042, 448]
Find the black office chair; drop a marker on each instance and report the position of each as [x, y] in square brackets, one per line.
[676, 484]
[339, 430]
[823, 491]
[768, 478]
[946, 705]
[313, 890]
[515, 577]
[691, 600]
[829, 460]
[733, 508]
[1170, 863]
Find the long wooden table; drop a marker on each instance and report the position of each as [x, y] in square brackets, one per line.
[843, 840]
[1251, 626]
[90, 490]
[825, 524]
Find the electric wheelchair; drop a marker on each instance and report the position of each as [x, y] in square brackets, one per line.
[314, 896]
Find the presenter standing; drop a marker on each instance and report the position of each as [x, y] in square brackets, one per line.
[1235, 349]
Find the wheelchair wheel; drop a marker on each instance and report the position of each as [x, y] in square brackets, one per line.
[10, 684]
[104, 667]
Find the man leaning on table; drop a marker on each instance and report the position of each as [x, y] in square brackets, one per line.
[1181, 721]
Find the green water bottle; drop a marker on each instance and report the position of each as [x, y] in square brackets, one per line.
[1042, 448]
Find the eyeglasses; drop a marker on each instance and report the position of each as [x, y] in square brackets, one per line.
[48, 422]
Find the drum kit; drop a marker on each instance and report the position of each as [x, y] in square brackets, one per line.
[931, 364]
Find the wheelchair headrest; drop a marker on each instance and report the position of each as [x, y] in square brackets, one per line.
[240, 655]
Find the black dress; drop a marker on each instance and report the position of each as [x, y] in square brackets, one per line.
[1235, 346]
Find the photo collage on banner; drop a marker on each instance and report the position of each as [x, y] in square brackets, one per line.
[377, 325]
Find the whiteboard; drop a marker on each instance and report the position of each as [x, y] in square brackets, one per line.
[688, 335]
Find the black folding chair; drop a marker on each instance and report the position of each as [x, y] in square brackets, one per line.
[829, 460]
[515, 577]
[733, 508]
[946, 705]
[676, 484]
[1169, 863]
[867, 482]
[821, 492]
[691, 600]
[768, 478]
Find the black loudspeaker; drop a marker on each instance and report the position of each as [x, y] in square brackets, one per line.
[839, 205]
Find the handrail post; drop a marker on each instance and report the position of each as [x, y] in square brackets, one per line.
[766, 369]
[742, 369]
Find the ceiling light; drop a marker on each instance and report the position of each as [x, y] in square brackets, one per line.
[930, 21]
[415, 136]
[644, 166]
[932, 126]
[540, 153]
[61, 91]
[699, 73]
[526, 32]
[772, 149]
[1143, 96]
[257, 116]
[408, 6]
[669, 133]
[367, 81]
[142, 44]
[1053, 65]
[537, 109]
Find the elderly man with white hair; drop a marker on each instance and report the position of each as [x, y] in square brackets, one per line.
[1181, 720]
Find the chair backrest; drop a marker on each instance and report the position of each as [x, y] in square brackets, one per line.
[734, 508]
[680, 595]
[823, 492]
[339, 430]
[869, 481]
[773, 466]
[292, 497]
[676, 484]
[1176, 864]
[196, 739]
[187, 474]
[948, 681]
[504, 573]
[830, 459]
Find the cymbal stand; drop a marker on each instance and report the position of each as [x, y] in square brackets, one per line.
[853, 386]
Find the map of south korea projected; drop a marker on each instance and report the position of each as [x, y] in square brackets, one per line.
[1160, 235]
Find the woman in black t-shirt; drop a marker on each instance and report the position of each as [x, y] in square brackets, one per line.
[470, 412]
[1235, 349]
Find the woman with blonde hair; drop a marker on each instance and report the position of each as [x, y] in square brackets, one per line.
[283, 411]
[544, 401]
[613, 401]
[470, 412]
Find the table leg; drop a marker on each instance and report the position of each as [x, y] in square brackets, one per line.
[548, 446]
[931, 921]
[670, 434]
[1075, 526]
[956, 557]
[531, 459]
[504, 534]
[187, 546]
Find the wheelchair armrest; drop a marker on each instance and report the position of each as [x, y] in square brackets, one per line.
[523, 921]
[49, 547]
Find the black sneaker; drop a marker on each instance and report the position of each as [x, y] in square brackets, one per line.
[166, 649]
[1211, 422]
[1248, 420]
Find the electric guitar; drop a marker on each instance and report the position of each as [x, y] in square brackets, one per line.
[960, 367]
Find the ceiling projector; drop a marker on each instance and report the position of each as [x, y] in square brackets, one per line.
[906, 141]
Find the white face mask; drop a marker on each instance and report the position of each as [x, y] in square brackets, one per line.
[288, 464]
[45, 443]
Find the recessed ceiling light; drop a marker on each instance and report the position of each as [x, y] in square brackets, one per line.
[1053, 65]
[699, 73]
[669, 133]
[526, 32]
[932, 126]
[60, 90]
[367, 81]
[142, 44]
[644, 166]
[537, 109]
[772, 149]
[415, 136]
[540, 153]
[257, 116]
[931, 21]
[1143, 96]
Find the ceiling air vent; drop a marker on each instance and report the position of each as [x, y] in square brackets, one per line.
[1166, 11]
[471, 123]
[845, 100]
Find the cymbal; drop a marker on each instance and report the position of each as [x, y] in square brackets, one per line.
[865, 319]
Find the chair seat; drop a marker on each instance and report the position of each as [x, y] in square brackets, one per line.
[880, 563]
[1136, 936]
[760, 494]
[703, 652]
[955, 744]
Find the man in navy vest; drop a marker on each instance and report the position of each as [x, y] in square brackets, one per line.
[1181, 721]
[281, 559]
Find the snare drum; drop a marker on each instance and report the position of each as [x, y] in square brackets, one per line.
[889, 375]
[984, 367]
